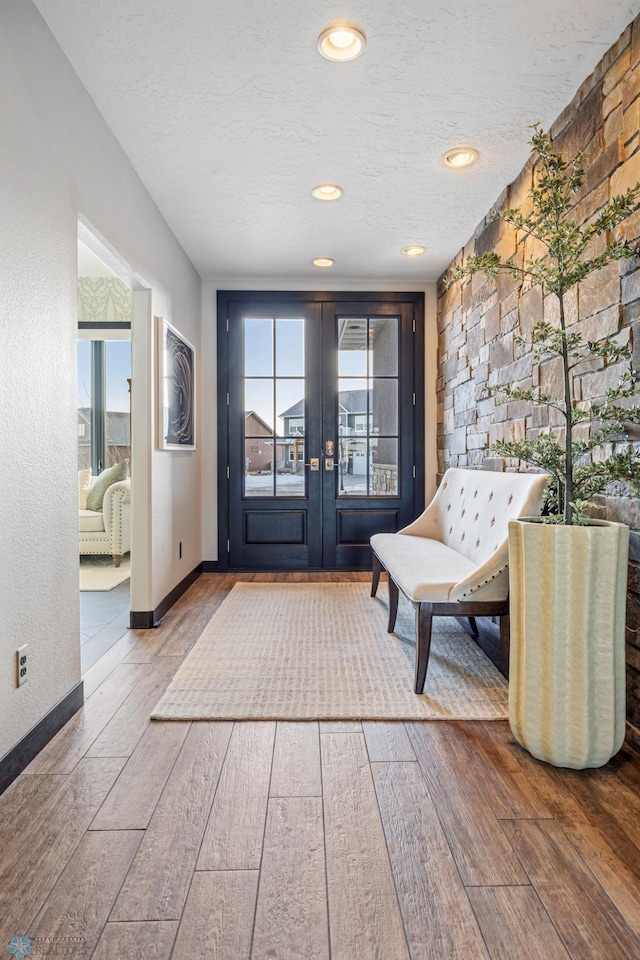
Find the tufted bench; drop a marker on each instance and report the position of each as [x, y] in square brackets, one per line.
[453, 560]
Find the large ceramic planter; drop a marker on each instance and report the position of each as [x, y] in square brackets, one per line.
[567, 589]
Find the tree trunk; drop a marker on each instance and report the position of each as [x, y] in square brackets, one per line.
[568, 413]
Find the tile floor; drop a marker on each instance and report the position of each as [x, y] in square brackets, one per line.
[104, 618]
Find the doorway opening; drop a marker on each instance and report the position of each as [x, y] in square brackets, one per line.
[105, 314]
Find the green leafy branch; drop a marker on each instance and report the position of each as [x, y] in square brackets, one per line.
[548, 217]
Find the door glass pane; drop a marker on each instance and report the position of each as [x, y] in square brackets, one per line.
[352, 347]
[258, 400]
[117, 416]
[384, 467]
[368, 411]
[258, 475]
[352, 467]
[290, 477]
[258, 348]
[290, 407]
[84, 404]
[258, 438]
[353, 407]
[290, 348]
[383, 346]
[384, 407]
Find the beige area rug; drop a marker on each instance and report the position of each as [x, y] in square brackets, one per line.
[99, 574]
[321, 651]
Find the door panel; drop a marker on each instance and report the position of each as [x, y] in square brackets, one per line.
[368, 383]
[318, 426]
[274, 499]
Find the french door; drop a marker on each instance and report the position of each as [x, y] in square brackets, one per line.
[320, 426]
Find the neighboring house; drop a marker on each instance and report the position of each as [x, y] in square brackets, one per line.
[293, 430]
[364, 418]
[352, 411]
[352, 419]
[118, 430]
[259, 445]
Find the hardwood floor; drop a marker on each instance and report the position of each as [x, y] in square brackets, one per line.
[308, 841]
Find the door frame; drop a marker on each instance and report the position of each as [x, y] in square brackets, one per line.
[227, 297]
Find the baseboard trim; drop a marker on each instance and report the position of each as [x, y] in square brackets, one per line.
[20, 756]
[146, 619]
[210, 566]
[632, 736]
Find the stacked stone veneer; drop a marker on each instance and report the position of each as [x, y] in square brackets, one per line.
[384, 479]
[479, 320]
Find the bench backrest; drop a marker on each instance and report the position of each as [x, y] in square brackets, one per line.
[472, 509]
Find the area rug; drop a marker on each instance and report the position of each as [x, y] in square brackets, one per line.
[321, 651]
[99, 574]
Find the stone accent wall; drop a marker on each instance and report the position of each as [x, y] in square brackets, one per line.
[479, 320]
[384, 479]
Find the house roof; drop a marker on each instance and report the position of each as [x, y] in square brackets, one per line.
[252, 413]
[352, 401]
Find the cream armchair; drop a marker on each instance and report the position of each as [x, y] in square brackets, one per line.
[108, 531]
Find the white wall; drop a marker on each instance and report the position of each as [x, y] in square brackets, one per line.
[208, 381]
[59, 161]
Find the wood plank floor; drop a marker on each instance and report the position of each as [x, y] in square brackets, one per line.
[308, 841]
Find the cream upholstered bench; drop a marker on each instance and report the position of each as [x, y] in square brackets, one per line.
[453, 560]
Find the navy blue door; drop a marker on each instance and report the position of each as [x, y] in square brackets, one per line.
[319, 427]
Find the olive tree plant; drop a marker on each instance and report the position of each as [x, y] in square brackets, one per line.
[571, 253]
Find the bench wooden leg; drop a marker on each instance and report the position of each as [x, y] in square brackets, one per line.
[424, 617]
[505, 639]
[117, 559]
[375, 575]
[393, 604]
[473, 625]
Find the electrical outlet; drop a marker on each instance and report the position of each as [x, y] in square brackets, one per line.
[180, 553]
[21, 665]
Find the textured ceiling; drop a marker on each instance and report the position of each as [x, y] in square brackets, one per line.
[230, 117]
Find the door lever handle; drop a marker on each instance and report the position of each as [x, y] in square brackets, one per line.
[314, 463]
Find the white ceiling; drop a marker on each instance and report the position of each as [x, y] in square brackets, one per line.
[230, 117]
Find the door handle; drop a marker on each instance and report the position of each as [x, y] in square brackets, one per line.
[314, 463]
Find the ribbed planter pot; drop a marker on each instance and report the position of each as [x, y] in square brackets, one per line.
[567, 590]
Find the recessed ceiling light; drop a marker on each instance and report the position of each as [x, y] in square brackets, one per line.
[414, 250]
[460, 157]
[323, 262]
[327, 191]
[341, 42]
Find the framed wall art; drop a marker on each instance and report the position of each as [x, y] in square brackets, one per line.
[176, 389]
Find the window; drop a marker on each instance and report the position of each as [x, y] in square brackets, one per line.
[104, 428]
